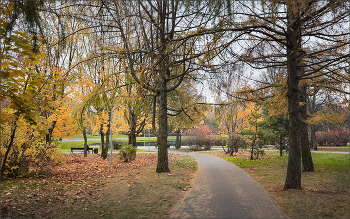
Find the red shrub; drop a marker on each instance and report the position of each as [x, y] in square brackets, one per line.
[199, 137]
[333, 137]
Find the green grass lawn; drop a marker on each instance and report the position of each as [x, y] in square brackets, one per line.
[67, 145]
[138, 139]
[80, 137]
[324, 193]
[145, 139]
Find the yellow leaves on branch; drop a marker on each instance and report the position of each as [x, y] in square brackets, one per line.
[6, 116]
[63, 122]
[320, 117]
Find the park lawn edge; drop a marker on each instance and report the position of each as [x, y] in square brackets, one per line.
[324, 193]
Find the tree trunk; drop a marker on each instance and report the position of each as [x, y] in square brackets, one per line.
[223, 146]
[281, 147]
[313, 138]
[85, 141]
[162, 165]
[311, 141]
[229, 144]
[178, 139]
[104, 148]
[49, 135]
[164, 74]
[308, 165]
[312, 106]
[12, 137]
[253, 143]
[132, 131]
[107, 142]
[293, 178]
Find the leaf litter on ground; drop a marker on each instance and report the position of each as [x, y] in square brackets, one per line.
[78, 178]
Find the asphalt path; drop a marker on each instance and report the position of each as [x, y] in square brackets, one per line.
[223, 190]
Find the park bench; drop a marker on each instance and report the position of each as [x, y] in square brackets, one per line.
[171, 143]
[81, 150]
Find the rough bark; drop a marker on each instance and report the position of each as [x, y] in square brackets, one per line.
[162, 165]
[162, 140]
[308, 165]
[293, 178]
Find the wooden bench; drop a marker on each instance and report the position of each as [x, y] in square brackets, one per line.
[171, 144]
[81, 150]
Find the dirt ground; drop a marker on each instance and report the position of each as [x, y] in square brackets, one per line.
[343, 149]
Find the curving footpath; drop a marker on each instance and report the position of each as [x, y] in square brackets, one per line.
[223, 190]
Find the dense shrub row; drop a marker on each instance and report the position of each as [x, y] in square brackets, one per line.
[333, 137]
[199, 138]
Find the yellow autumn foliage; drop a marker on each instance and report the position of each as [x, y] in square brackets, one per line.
[29, 153]
[321, 117]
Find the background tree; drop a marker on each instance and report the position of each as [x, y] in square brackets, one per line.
[24, 87]
[161, 50]
[184, 110]
[289, 34]
[256, 131]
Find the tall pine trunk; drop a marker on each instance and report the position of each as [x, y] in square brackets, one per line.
[293, 177]
[308, 165]
[164, 74]
[162, 165]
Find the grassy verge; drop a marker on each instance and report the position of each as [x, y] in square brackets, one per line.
[80, 137]
[145, 139]
[324, 194]
[92, 188]
[67, 145]
[139, 139]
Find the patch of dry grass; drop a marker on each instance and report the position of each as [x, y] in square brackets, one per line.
[342, 149]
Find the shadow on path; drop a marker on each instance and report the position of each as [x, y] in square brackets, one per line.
[223, 190]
